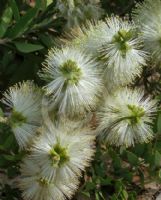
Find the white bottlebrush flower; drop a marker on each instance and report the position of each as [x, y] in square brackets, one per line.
[116, 43]
[51, 118]
[34, 186]
[73, 80]
[126, 118]
[25, 101]
[63, 153]
[120, 50]
[148, 17]
[84, 37]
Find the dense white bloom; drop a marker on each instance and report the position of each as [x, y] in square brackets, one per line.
[126, 117]
[74, 82]
[34, 186]
[63, 152]
[25, 101]
[51, 118]
[117, 46]
[148, 17]
[120, 50]
[85, 37]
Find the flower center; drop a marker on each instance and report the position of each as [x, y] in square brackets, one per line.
[121, 39]
[71, 72]
[43, 182]
[136, 114]
[17, 119]
[58, 155]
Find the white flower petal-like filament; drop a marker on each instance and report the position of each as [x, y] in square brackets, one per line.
[73, 79]
[117, 45]
[25, 118]
[63, 153]
[34, 186]
[126, 118]
[148, 17]
[120, 50]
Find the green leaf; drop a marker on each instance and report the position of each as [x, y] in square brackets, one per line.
[97, 196]
[3, 162]
[42, 4]
[159, 173]
[139, 149]
[87, 194]
[101, 195]
[90, 186]
[125, 194]
[159, 123]
[5, 21]
[27, 47]
[1, 113]
[49, 2]
[15, 10]
[9, 157]
[46, 40]
[157, 160]
[116, 160]
[126, 174]
[106, 181]
[22, 25]
[9, 141]
[132, 158]
[15, 157]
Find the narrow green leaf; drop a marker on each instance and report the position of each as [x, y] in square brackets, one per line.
[9, 141]
[132, 158]
[1, 113]
[42, 4]
[15, 157]
[46, 40]
[27, 47]
[159, 123]
[9, 157]
[125, 194]
[101, 195]
[157, 158]
[5, 21]
[90, 186]
[159, 173]
[3, 162]
[87, 194]
[97, 196]
[15, 10]
[22, 25]
[49, 2]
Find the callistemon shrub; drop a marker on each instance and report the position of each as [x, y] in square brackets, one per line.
[96, 97]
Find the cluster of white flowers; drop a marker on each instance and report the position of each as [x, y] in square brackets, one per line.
[90, 73]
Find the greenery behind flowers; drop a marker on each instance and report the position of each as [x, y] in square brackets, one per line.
[27, 31]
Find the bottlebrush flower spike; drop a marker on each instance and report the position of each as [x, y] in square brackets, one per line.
[73, 81]
[34, 186]
[120, 50]
[25, 101]
[148, 17]
[63, 153]
[84, 37]
[126, 118]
